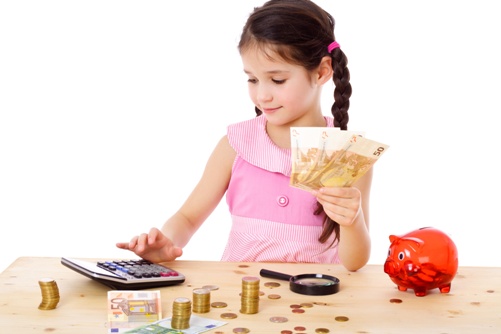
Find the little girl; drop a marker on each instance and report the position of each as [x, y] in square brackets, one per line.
[289, 52]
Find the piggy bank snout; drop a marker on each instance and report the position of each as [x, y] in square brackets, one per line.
[391, 268]
[394, 268]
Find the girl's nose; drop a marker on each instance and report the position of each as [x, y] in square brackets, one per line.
[263, 94]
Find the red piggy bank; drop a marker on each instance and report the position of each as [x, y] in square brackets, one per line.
[422, 260]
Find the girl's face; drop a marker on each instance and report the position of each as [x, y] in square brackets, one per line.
[287, 94]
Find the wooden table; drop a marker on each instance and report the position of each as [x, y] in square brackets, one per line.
[364, 301]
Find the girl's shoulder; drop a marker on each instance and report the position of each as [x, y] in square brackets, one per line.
[251, 143]
[256, 123]
[247, 132]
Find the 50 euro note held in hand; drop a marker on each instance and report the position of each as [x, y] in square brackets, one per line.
[338, 160]
[130, 309]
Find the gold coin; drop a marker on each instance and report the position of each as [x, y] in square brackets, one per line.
[202, 291]
[251, 279]
[306, 305]
[218, 304]
[341, 318]
[228, 316]
[274, 296]
[322, 330]
[50, 294]
[271, 284]
[241, 330]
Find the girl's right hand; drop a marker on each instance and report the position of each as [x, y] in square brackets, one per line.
[154, 247]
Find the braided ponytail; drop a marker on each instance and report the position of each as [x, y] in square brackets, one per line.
[300, 31]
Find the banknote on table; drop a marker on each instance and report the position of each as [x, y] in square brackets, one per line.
[339, 158]
[197, 325]
[131, 309]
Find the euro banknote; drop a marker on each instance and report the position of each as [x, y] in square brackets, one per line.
[329, 157]
[130, 309]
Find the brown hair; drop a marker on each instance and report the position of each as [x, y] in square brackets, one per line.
[300, 31]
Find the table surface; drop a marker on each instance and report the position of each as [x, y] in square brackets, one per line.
[365, 299]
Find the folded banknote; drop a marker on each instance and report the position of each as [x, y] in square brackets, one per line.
[329, 157]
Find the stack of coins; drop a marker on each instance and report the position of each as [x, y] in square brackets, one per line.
[201, 300]
[250, 295]
[181, 313]
[50, 294]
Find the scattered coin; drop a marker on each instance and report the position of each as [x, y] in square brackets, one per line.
[241, 330]
[297, 310]
[306, 305]
[218, 304]
[210, 287]
[229, 315]
[341, 318]
[274, 296]
[272, 284]
[286, 331]
[322, 330]
[299, 328]
[395, 300]
[279, 319]
[295, 306]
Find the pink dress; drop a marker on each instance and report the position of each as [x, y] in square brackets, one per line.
[271, 221]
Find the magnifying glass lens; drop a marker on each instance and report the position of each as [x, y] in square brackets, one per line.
[314, 281]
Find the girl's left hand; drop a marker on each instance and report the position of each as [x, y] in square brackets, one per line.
[341, 204]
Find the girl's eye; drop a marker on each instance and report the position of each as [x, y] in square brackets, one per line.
[278, 82]
[251, 80]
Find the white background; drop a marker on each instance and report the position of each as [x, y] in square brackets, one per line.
[110, 109]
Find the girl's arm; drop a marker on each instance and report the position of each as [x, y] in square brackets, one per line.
[349, 206]
[204, 198]
[166, 245]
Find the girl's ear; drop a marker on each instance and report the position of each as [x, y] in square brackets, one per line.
[324, 70]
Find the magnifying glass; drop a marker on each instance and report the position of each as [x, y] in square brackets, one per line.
[306, 284]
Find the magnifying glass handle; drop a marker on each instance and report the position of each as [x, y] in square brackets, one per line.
[274, 274]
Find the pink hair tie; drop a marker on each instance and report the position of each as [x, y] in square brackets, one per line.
[332, 46]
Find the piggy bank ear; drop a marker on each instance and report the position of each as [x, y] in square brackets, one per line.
[393, 238]
[414, 243]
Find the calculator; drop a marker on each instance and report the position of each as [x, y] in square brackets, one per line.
[126, 274]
